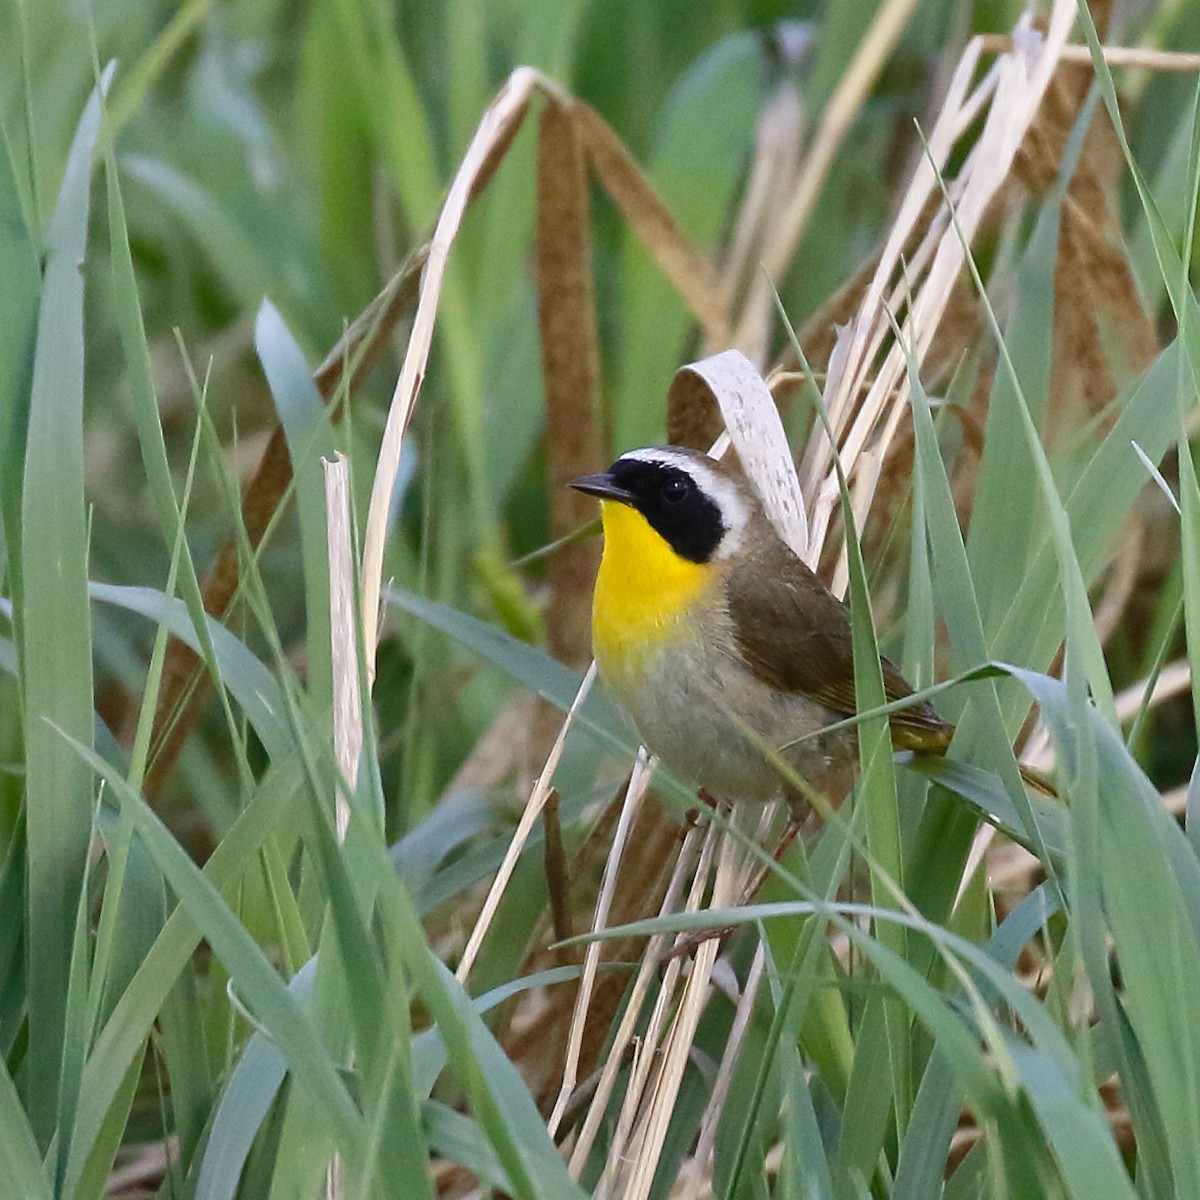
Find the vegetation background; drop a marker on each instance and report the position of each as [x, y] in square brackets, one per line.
[257, 172]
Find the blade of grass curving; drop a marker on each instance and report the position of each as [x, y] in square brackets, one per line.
[527, 664]
[248, 681]
[131, 92]
[56, 626]
[460, 1140]
[244, 1104]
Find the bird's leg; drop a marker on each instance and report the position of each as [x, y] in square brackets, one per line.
[556, 875]
[692, 816]
[693, 942]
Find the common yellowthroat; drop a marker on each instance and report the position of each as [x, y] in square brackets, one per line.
[719, 641]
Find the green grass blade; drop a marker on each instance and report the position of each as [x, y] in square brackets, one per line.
[20, 1160]
[245, 960]
[119, 1043]
[20, 268]
[56, 627]
[248, 681]
[305, 423]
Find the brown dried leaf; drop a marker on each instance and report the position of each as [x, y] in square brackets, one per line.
[571, 371]
[689, 270]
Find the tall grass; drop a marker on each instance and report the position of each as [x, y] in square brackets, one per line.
[205, 991]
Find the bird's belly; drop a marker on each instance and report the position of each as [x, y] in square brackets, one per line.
[715, 725]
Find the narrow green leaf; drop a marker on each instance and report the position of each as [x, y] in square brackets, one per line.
[305, 423]
[249, 682]
[124, 1035]
[56, 626]
[247, 964]
[20, 268]
[20, 1159]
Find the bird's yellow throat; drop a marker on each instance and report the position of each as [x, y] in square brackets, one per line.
[643, 587]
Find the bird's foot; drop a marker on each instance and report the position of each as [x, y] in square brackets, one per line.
[689, 945]
[708, 800]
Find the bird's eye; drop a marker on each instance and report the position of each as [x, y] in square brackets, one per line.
[676, 489]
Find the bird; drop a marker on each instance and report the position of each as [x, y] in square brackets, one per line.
[725, 649]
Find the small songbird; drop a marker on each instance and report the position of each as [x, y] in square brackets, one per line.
[720, 643]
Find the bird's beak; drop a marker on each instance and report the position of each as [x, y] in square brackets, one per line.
[601, 485]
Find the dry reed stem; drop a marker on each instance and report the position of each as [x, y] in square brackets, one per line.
[1020, 81]
[347, 699]
[773, 171]
[1116, 56]
[647, 970]
[648, 1059]
[843, 106]
[533, 810]
[650, 1138]
[504, 111]
[700, 1161]
[343, 631]
[639, 781]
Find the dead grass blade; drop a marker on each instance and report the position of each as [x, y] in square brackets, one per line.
[771, 184]
[691, 272]
[921, 288]
[729, 385]
[1142, 57]
[838, 115]
[347, 700]
[635, 793]
[493, 132]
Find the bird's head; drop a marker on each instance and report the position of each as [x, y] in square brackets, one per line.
[672, 500]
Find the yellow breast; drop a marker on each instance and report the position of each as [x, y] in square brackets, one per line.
[643, 590]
